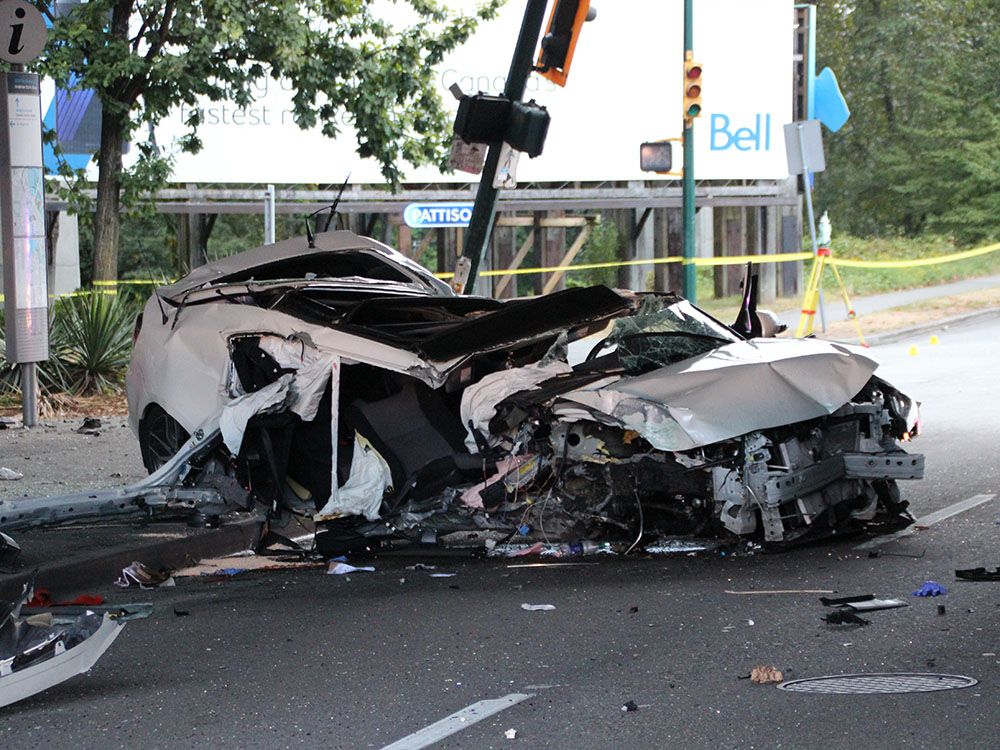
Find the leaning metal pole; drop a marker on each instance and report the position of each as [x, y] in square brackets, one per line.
[690, 276]
[477, 239]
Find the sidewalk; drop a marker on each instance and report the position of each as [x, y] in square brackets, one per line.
[834, 305]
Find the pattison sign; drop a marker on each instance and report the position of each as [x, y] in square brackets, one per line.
[427, 215]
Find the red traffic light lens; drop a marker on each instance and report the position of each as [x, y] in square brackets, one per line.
[694, 72]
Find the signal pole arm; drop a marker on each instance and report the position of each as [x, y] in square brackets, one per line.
[485, 208]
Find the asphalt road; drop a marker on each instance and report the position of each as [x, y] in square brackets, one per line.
[301, 659]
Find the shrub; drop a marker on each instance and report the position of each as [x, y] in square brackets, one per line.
[90, 343]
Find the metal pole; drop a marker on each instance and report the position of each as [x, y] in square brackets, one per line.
[807, 189]
[29, 394]
[269, 215]
[688, 210]
[484, 211]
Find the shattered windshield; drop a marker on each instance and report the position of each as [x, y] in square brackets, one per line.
[659, 335]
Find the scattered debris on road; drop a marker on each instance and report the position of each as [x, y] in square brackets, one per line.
[931, 588]
[144, 577]
[845, 617]
[874, 605]
[510, 734]
[338, 568]
[10, 474]
[677, 546]
[90, 426]
[538, 607]
[978, 574]
[629, 706]
[882, 553]
[838, 601]
[231, 565]
[764, 675]
[38, 652]
[41, 598]
[10, 551]
[755, 592]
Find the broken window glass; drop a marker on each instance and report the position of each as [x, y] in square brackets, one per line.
[659, 335]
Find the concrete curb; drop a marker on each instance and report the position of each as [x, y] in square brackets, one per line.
[891, 337]
[67, 577]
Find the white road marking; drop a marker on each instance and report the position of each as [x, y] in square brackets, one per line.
[457, 722]
[929, 520]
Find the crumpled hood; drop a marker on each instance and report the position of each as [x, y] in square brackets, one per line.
[730, 391]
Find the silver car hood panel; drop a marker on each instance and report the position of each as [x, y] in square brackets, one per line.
[731, 391]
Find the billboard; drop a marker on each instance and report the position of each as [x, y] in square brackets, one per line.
[625, 88]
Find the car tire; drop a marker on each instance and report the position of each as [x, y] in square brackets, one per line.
[160, 437]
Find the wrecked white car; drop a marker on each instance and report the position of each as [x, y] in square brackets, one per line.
[340, 379]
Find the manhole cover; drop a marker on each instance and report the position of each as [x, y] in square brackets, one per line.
[887, 682]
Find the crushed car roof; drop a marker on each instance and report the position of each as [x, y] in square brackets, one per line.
[297, 248]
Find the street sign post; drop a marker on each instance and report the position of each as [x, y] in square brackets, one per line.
[804, 149]
[22, 200]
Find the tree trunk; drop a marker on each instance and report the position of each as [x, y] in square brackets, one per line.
[107, 220]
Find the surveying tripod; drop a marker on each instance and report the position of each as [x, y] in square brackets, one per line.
[811, 299]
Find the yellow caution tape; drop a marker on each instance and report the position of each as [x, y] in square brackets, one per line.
[914, 262]
[733, 260]
[127, 282]
[729, 260]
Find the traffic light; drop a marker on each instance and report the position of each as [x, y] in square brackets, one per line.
[527, 127]
[692, 91]
[656, 156]
[559, 41]
[482, 118]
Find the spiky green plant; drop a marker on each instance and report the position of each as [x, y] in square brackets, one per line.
[91, 341]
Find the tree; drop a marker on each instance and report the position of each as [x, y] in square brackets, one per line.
[920, 151]
[144, 58]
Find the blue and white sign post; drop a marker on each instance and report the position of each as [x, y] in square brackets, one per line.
[22, 200]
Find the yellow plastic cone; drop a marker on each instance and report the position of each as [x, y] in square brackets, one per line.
[913, 351]
[934, 340]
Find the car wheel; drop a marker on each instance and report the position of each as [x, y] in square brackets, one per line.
[160, 437]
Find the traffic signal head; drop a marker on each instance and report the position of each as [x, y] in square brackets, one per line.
[692, 90]
[656, 156]
[482, 118]
[527, 127]
[559, 41]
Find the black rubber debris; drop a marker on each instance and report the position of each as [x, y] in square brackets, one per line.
[978, 574]
[845, 617]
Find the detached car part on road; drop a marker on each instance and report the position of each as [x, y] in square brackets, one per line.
[340, 379]
[40, 651]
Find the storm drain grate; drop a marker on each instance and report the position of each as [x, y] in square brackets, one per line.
[886, 682]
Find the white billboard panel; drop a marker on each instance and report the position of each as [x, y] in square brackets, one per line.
[624, 88]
